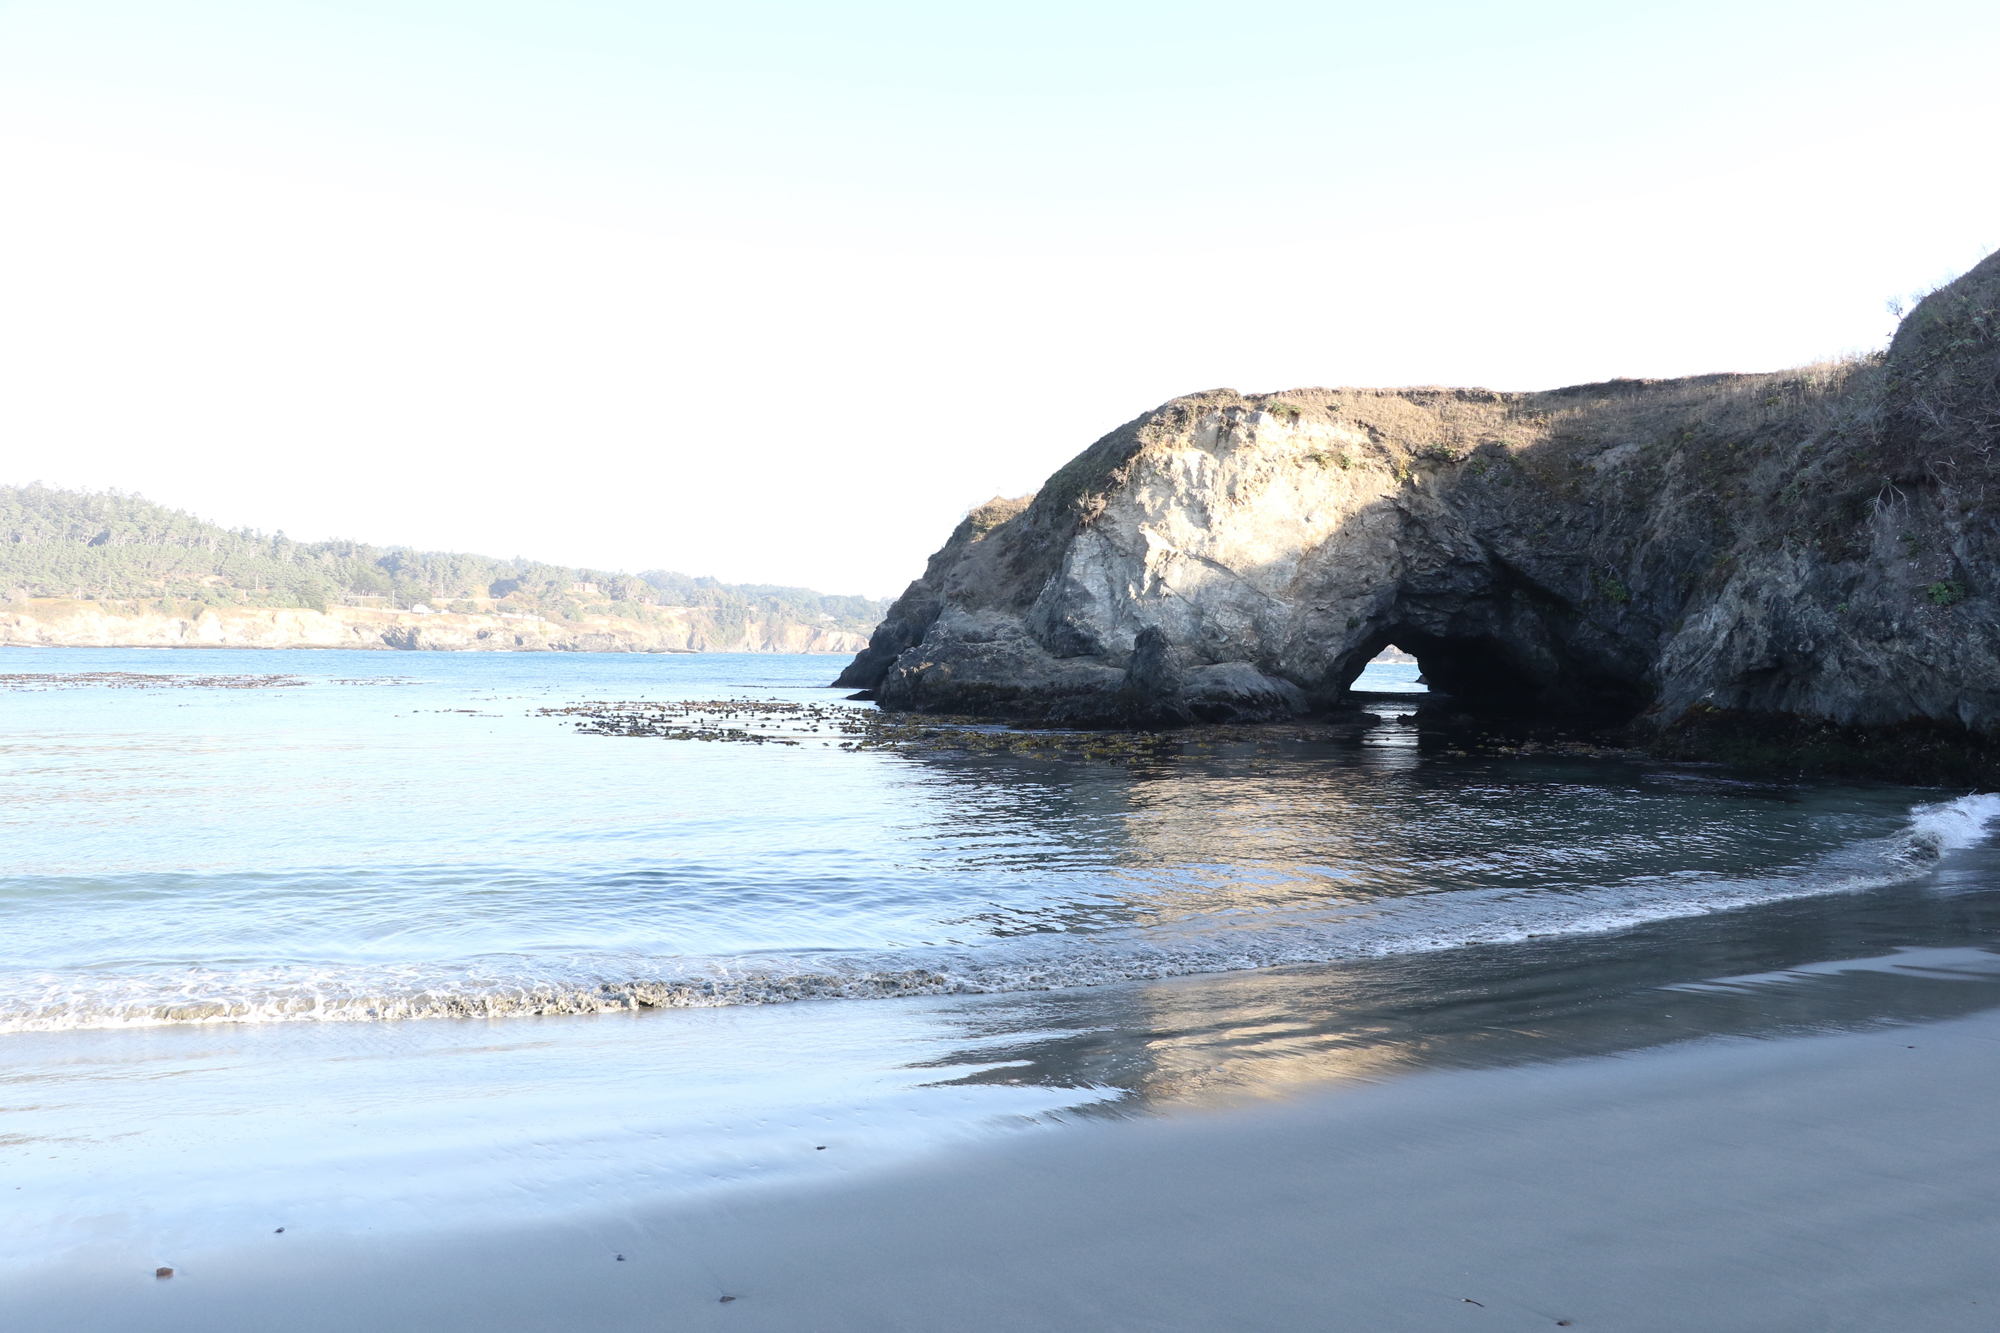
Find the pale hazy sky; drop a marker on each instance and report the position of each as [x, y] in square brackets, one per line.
[775, 291]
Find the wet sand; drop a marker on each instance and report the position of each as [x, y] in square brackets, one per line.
[1828, 1182]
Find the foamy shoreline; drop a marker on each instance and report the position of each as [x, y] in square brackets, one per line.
[1825, 1182]
[308, 994]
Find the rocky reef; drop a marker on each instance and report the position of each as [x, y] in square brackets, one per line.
[1799, 563]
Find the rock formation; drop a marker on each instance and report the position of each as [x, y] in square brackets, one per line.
[1728, 555]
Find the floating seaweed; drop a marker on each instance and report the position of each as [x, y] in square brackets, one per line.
[783, 722]
[143, 680]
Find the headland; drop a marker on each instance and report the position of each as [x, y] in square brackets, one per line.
[1795, 568]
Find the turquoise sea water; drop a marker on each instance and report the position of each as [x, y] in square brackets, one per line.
[342, 940]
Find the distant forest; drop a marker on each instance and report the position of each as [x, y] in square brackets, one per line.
[119, 548]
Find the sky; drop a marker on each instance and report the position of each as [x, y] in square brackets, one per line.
[776, 291]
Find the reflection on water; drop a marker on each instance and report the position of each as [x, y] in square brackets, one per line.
[1262, 911]
[1300, 848]
[1904, 954]
[142, 1140]
[435, 845]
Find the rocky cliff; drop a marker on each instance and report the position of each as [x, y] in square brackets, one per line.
[52, 622]
[1803, 558]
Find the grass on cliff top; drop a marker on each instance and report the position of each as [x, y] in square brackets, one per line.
[1412, 428]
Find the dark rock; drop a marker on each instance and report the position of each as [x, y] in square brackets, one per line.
[913, 614]
[1728, 563]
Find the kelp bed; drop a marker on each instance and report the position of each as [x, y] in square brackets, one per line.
[163, 680]
[780, 722]
[777, 722]
[140, 680]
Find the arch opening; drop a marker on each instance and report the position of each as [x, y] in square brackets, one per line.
[1482, 668]
[1391, 671]
[1481, 673]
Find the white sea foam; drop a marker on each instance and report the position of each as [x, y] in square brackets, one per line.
[1951, 825]
[583, 984]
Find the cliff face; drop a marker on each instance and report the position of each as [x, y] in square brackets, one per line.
[61, 622]
[1809, 548]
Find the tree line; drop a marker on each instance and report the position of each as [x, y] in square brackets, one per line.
[114, 547]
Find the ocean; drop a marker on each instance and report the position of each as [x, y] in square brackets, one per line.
[352, 941]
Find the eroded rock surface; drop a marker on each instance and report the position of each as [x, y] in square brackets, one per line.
[1814, 547]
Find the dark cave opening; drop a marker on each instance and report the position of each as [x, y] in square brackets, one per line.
[1478, 674]
[1491, 675]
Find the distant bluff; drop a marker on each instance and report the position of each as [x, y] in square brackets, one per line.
[1798, 565]
[106, 569]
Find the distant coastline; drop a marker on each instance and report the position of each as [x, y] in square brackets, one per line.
[82, 569]
[59, 622]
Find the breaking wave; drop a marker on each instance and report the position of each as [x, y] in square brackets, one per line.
[1950, 825]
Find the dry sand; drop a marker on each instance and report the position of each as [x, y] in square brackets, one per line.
[1826, 1182]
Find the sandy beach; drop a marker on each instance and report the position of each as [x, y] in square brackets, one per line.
[1037, 669]
[1823, 1182]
